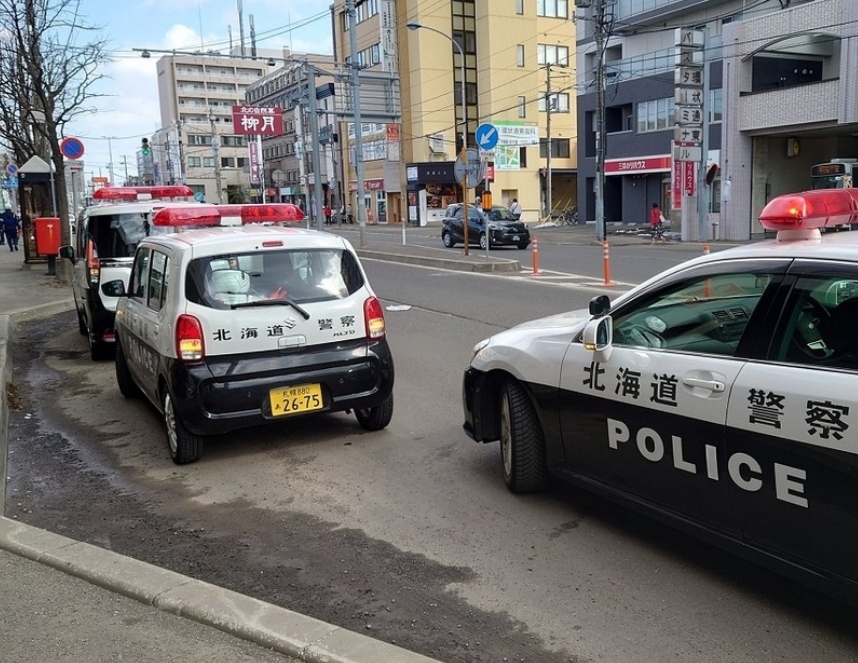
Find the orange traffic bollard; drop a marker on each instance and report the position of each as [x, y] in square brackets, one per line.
[707, 286]
[536, 271]
[606, 259]
[705, 249]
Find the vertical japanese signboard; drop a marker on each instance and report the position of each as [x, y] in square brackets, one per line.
[688, 95]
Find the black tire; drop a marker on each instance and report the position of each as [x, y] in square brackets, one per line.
[127, 386]
[185, 447]
[376, 418]
[522, 442]
[483, 239]
[447, 238]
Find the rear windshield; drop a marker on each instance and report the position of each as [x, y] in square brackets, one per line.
[117, 235]
[307, 275]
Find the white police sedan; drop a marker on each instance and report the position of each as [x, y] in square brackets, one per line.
[720, 396]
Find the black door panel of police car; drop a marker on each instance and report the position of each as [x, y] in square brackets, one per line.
[650, 419]
[794, 421]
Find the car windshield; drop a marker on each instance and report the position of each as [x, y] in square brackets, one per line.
[501, 214]
[290, 276]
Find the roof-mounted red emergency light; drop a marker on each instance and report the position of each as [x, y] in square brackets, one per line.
[135, 193]
[810, 211]
[228, 215]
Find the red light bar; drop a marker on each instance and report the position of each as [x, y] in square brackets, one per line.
[809, 210]
[228, 215]
[132, 193]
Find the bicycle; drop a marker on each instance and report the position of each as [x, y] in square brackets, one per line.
[569, 217]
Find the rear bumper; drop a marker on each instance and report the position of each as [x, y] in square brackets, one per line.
[228, 393]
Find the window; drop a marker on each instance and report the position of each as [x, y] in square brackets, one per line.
[137, 280]
[194, 162]
[818, 328]
[522, 157]
[716, 105]
[559, 102]
[559, 148]
[519, 7]
[522, 106]
[552, 8]
[707, 314]
[519, 54]
[552, 54]
[656, 115]
[158, 281]
[227, 162]
[208, 162]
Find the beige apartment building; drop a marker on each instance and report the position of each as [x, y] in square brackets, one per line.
[196, 94]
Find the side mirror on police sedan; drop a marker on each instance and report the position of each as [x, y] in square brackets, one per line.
[114, 288]
[598, 335]
[68, 252]
[600, 305]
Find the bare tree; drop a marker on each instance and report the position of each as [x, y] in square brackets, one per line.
[49, 61]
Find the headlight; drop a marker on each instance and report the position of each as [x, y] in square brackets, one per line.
[494, 226]
[479, 347]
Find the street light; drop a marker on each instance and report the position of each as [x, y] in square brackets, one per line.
[464, 101]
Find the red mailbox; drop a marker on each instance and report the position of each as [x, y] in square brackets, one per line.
[48, 235]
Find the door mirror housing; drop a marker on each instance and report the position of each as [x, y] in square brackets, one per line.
[67, 251]
[600, 305]
[599, 335]
[114, 288]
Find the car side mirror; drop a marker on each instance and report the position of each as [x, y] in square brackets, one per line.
[114, 288]
[600, 305]
[67, 251]
[598, 335]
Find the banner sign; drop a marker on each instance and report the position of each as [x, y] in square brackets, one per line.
[257, 120]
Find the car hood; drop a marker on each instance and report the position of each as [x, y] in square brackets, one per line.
[567, 319]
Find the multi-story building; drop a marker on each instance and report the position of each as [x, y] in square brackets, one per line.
[288, 158]
[196, 143]
[518, 76]
[776, 104]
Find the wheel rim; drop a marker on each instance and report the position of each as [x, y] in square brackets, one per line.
[447, 241]
[170, 420]
[505, 436]
[483, 241]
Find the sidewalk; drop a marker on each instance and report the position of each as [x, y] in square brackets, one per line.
[61, 599]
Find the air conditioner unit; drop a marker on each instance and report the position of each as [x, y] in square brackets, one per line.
[436, 144]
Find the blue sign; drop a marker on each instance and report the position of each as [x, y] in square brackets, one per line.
[11, 170]
[199, 196]
[487, 136]
[72, 148]
[10, 183]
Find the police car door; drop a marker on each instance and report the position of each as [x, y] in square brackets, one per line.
[648, 417]
[792, 427]
[144, 310]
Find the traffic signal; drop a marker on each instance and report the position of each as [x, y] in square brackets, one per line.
[144, 147]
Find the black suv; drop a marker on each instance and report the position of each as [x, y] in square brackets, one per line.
[497, 227]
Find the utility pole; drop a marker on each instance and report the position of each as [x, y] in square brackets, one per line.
[601, 37]
[181, 153]
[110, 166]
[358, 161]
[125, 163]
[216, 153]
[314, 133]
[549, 200]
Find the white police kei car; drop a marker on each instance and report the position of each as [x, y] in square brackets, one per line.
[227, 327]
[720, 396]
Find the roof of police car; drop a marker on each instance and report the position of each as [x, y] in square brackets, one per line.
[220, 237]
[135, 207]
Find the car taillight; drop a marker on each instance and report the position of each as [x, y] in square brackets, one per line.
[92, 264]
[189, 339]
[374, 316]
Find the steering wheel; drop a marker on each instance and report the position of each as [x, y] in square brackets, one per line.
[640, 336]
[809, 330]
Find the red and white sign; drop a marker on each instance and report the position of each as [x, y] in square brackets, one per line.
[253, 161]
[257, 120]
[637, 165]
[98, 181]
[392, 132]
[368, 185]
[682, 181]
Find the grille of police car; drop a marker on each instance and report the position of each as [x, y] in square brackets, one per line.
[720, 396]
[236, 317]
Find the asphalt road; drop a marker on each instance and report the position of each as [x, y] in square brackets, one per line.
[408, 534]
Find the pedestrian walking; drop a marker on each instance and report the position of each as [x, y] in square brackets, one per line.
[656, 224]
[327, 211]
[349, 215]
[11, 227]
[515, 209]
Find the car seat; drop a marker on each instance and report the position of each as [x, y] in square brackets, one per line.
[841, 335]
[229, 286]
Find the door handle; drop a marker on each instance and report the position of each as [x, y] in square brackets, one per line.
[711, 385]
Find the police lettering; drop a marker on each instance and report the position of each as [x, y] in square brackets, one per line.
[743, 469]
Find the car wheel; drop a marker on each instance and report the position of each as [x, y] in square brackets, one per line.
[376, 418]
[523, 245]
[522, 442]
[447, 238]
[127, 386]
[185, 447]
[98, 350]
[483, 240]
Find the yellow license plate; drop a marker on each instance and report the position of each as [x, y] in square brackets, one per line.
[293, 400]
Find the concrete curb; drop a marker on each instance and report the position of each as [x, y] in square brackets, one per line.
[475, 264]
[282, 630]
